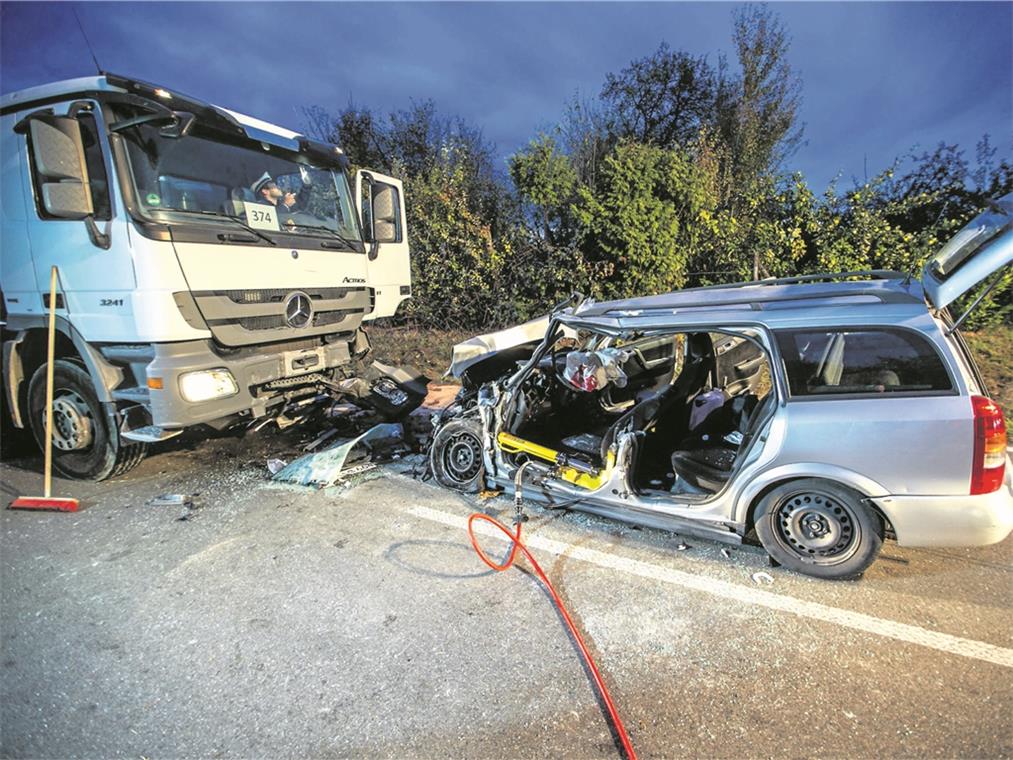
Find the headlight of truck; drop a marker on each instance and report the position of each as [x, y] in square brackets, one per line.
[207, 384]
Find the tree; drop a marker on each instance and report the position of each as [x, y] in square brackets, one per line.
[544, 177]
[662, 99]
[641, 222]
[757, 111]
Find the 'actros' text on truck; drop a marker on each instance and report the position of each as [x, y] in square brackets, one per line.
[210, 265]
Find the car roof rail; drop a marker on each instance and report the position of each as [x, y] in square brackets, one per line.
[863, 274]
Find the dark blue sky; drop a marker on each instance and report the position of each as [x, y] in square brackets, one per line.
[878, 78]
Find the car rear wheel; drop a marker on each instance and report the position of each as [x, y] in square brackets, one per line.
[84, 446]
[456, 456]
[819, 528]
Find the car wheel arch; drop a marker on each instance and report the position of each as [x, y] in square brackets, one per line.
[758, 487]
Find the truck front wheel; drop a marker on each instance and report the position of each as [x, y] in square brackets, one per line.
[84, 445]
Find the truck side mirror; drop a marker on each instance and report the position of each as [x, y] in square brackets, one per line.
[58, 151]
[386, 213]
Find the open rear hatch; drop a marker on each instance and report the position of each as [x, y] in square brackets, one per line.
[981, 249]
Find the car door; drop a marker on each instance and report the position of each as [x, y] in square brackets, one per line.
[738, 364]
[382, 213]
[983, 247]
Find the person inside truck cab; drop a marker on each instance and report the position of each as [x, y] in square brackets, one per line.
[267, 191]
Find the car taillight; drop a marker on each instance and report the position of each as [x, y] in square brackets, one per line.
[989, 464]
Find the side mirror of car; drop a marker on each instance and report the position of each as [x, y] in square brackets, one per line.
[58, 152]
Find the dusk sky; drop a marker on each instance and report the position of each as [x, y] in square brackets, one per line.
[878, 78]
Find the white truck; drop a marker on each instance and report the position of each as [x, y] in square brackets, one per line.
[212, 267]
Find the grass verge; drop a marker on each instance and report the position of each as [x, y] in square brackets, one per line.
[993, 352]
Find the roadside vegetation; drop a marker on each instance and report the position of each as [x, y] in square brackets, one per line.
[993, 352]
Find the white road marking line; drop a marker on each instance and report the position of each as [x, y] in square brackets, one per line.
[943, 642]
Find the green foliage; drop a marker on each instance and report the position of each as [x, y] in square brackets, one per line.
[455, 261]
[638, 221]
[545, 179]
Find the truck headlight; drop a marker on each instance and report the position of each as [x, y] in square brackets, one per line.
[207, 384]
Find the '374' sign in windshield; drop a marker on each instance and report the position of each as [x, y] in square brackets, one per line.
[261, 216]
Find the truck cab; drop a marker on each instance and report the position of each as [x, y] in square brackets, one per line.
[211, 267]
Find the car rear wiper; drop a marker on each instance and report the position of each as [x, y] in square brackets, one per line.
[231, 218]
[348, 242]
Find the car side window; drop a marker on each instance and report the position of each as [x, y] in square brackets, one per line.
[862, 361]
[97, 177]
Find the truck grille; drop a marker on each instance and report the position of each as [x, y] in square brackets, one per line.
[244, 317]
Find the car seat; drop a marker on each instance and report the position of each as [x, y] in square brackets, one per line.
[707, 462]
[668, 409]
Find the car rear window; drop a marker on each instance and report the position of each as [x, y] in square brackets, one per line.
[862, 361]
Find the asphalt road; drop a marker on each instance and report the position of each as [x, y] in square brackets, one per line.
[280, 622]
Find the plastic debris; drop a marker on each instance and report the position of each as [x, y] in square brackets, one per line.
[320, 440]
[486, 495]
[726, 553]
[274, 466]
[172, 500]
[325, 468]
[683, 546]
[761, 578]
[705, 404]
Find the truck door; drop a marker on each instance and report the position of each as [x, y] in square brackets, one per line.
[96, 282]
[17, 275]
[382, 213]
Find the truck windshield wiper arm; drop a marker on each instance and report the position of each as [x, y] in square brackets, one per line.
[231, 218]
[324, 228]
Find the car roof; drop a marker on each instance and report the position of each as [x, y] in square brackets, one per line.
[861, 294]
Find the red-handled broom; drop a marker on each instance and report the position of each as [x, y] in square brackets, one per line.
[48, 501]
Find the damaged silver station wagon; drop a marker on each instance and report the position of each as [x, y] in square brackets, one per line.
[826, 413]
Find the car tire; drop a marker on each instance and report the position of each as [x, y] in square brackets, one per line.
[84, 446]
[819, 528]
[456, 456]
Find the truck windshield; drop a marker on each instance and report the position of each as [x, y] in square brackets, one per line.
[204, 174]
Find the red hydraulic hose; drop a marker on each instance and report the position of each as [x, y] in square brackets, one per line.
[519, 545]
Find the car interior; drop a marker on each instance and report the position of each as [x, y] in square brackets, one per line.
[693, 398]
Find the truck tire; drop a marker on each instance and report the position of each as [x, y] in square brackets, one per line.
[456, 456]
[84, 446]
[820, 528]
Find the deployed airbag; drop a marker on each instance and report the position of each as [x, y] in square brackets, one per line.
[593, 370]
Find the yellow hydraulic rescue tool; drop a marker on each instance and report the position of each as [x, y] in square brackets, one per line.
[571, 470]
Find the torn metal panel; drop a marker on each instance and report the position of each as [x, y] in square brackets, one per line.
[475, 349]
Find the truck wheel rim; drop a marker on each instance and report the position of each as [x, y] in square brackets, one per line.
[73, 426]
[817, 528]
[462, 457]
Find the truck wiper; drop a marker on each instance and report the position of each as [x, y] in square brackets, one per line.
[231, 218]
[348, 242]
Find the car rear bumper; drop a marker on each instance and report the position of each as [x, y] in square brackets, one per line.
[950, 520]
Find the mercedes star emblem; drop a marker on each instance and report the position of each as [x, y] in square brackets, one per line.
[298, 310]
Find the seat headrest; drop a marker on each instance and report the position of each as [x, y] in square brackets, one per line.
[700, 346]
